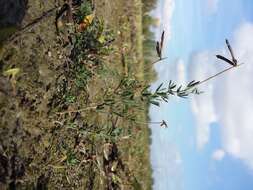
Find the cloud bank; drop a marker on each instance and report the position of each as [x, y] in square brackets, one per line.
[202, 106]
[228, 99]
[218, 155]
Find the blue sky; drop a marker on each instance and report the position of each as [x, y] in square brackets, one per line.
[203, 147]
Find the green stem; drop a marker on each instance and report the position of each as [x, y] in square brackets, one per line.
[159, 60]
[219, 73]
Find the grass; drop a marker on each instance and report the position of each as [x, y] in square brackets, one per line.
[71, 121]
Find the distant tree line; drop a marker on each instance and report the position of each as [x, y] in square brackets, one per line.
[148, 5]
[149, 37]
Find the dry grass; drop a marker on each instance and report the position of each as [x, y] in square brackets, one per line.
[67, 151]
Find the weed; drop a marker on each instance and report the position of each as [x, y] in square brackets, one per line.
[84, 10]
[71, 159]
[82, 75]
[70, 99]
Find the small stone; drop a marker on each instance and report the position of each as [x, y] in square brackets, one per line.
[114, 166]
[107, 150]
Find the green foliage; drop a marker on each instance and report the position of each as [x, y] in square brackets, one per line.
[72, 126]
[86, 42]
[87, 51]
[149, 5]
[71, 159]
[92, 43]
[84, 10]
[82, 75]
[162, 93]
[70, 99]
[149, 50]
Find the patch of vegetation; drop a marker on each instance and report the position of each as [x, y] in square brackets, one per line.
[75, 117]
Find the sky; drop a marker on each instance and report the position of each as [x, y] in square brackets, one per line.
[208, 144]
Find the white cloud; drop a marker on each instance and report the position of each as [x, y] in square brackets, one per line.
[164, 14]
[238, 100]
[212, 6]
[174, 71]
[180, 70]
[230, 98]
[165, 160]
[202, 105]
[218, 155]
[168, 10]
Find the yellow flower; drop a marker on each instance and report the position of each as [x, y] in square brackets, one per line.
[86, 22]
[101, 39]
[11, 72]
[88, 19]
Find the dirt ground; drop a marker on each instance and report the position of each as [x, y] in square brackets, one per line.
[54, 131]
